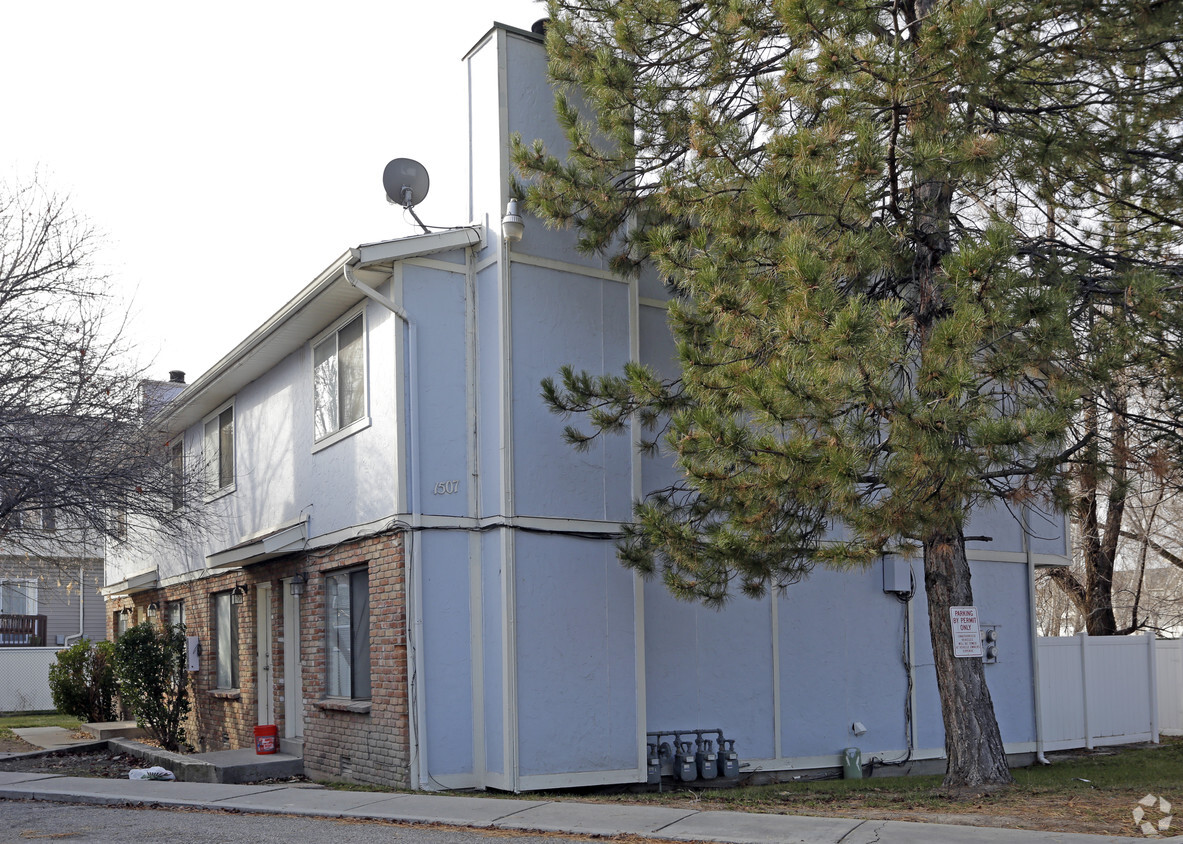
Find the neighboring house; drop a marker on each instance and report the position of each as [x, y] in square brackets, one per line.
[408, 571]
[55, 579]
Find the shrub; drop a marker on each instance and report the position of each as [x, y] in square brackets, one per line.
[82, 681]
[154, 680]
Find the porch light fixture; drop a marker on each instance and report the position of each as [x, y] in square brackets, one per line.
[153, 610]
[238, 595]
[512, 225]
[298, 582]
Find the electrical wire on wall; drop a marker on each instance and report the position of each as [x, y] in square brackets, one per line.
[904, 598]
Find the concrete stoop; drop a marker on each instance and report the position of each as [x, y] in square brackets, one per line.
[114, 729]
[224, 766]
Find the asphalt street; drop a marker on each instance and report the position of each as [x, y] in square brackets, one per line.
[22, 822]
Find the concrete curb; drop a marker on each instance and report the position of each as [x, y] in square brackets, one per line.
[83, 747]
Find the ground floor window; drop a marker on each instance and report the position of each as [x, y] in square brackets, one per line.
[348, 627]
[226, 640]
[174, 613]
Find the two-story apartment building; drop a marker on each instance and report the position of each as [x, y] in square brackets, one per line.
[408, 571]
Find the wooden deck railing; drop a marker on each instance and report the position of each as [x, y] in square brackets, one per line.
[26, 631]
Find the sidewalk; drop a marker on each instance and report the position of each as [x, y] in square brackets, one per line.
[49, 738]
[521, 815]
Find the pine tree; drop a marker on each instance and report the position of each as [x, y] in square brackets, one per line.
[904, 241]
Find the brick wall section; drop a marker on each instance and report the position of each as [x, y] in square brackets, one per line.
[368, 747]
[340, 742]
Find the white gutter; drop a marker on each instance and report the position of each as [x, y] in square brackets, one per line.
[416, 703]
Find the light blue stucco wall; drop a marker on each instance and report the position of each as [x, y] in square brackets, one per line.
[710, 669]
[446, 642]
[436, 300]
[583, 321]
[576, 680]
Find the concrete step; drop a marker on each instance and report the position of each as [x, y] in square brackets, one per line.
[114, 729]
[223, 766]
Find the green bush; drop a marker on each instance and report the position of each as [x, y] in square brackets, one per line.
[154, 680]
[82, 681]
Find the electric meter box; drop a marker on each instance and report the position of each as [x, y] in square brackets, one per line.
[897, 574]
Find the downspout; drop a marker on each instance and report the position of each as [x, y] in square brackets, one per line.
[1039, 757]
[415, 578]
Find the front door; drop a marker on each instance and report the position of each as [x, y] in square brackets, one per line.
[263, 640]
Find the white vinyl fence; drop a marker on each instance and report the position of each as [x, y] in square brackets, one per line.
[24, 679]
[1170, 686]
[1097, 690]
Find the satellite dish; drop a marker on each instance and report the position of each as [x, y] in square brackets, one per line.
[406, 182]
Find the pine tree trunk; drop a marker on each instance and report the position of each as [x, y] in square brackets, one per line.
[973, 743]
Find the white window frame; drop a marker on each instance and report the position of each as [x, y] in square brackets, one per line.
[342, 661]
[227, 642]
[174, 608]
[176, 467]
[363, 421]
[212, 463]
[28, 586]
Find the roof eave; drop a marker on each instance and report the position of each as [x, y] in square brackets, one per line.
[219, 383]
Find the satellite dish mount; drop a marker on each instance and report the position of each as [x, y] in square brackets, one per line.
[406, 183]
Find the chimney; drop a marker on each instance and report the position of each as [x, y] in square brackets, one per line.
[176, 376]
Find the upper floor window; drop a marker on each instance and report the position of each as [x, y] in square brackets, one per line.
[18, 597]
[339, 377]
[219, 451]
[176, 479]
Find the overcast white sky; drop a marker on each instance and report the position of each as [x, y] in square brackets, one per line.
[232, 150]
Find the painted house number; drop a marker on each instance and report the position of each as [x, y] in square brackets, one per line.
[446, 488]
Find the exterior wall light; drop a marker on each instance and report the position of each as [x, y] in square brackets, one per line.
[238, 595]
[298, 582]
[153, 610]
[512, 225]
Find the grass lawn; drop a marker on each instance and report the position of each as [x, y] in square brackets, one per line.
[1083, 791]
[8, 723]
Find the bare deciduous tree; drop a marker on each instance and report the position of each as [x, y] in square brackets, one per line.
[77, 461]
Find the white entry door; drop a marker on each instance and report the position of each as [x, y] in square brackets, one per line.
[293, 678]
[263, 639]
